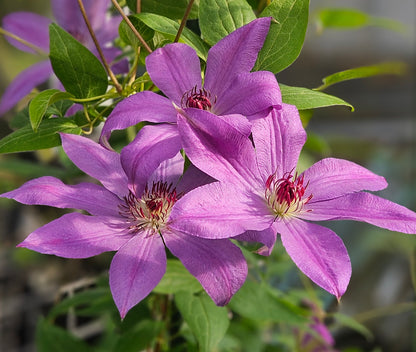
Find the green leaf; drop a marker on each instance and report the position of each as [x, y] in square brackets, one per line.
[40, 103]
[177, 279]
[350, 322]
[168, 8]
[169, 28]
[305, 98]
[52, 338]
[25, 139]
[395, 68]
[352, 19]
[218, 18]
[208, 322]
[80, 72]
[141, 337]
[258, 302]
[286, 35]
[127, 35]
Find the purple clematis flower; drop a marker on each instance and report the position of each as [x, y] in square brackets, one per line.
[34, 29]
[229, 87]
[130, 215]
[260, 194]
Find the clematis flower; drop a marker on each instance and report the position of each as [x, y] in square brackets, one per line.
[259, 193]
[129, 214]
[228, 88]
[34, 29]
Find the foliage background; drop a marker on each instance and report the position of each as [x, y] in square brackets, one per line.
[379, 135]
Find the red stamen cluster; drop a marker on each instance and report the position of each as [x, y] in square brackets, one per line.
[197, 98]
[284, 195]
[152, 210]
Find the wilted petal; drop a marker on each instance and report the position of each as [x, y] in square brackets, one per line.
[331, 178]
[52, 192]
[220, 210]
[143, 106]
[366, 207]
[215, 146]
[278, 138]
[234, 54]
[319, 253]
[77, 236]
[248, 94]
[96, 161]
[30, 27]
[175, 70]
[152, 145]
[218, 265]
[136, 269]
[23, 84]
[266, 237]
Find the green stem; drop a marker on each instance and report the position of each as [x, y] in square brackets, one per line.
[183, 22]
[24, 42]
[383, 311]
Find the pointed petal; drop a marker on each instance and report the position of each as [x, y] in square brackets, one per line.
[169, 171]
[152, 145]
[96, 161]
[248, 94]
[218, 265]
[365, 207]
[30, 27]
[331, 178]
[77, 236]
[319, 253]
[234, 54]
[278, 139]
[175, 70]
[136, 269]
[215, 146]
[266, 237]
[52, 192]
[220, 210]
[143, 106]
[23, 84]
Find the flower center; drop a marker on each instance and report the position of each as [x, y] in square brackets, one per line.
[285, 196]
[152, 209]
[197, 98]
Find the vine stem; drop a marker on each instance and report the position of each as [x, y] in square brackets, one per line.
[97, 45]
[136, 33]
[183, 22]
[138, 6]
[20, 40]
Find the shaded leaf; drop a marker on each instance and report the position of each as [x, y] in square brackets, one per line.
[305, 98]
[347, 321]
[25, 139]
[168, 8]
[80, 72]
[286, 35]
[177, 279]
[395, 68]
[218, 18]
[127, 35]
[40, 103]
[208, 322]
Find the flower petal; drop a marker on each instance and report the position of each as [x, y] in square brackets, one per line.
[77, 236]
[218, 265]
[96, 161]
[23, 84]
[169, 170]
[267, 237]
[366, 207]
[136, 269]
[52, 192]
[143, 106]
[30, 27]
[234, 54]
[175, 69]
[193, 178]
[331, 178]
[215, 146]
[220, 210]
[248, 94]
[152, 145]
[278, 138]
[319, 253]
